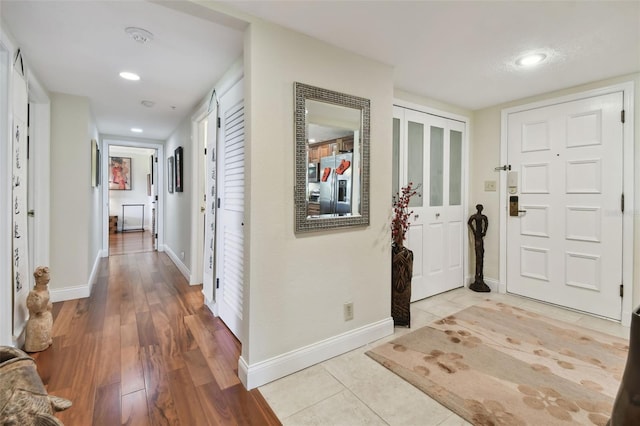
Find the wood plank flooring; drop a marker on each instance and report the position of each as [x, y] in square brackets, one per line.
[130, 242]
[144, 350]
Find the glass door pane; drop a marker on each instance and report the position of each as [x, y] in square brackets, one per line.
[395, 158]
[455, 168]
[436, 166]
[415, 154]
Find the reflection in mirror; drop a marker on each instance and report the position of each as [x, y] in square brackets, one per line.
[332, 152]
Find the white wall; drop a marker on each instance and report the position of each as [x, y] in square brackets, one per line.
[75, 205]
[485, 152]
[96, 208]
[178, 204]
[140, 167]
[296, 285]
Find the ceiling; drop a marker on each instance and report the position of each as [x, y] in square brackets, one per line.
[80, 47]
[462, 53]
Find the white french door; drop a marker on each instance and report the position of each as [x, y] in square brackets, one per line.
[431, 157]
[229, 230]
[564, 246]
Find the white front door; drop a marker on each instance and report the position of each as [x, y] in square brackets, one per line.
[564, 246]
[229, 230]
[433, 158]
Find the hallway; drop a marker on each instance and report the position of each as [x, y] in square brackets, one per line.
[130, 242]
[144, 350]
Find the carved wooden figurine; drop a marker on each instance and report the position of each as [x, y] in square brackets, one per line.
[38, 333]
[478, 223]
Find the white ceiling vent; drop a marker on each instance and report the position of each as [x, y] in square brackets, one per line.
[139, 34]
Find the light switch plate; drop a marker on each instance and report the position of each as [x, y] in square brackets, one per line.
[489, 185]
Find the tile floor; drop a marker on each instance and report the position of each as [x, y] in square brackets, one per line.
[352, 389]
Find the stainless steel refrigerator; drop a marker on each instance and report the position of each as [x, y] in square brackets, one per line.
[336, 184]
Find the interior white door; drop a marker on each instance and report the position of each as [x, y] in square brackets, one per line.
[230, 232]
[210, 206]
[154, 199]
[565, 245]
[434, 158]
[20, 242]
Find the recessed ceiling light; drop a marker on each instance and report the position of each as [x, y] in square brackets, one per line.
[531, 59]
[136, 130]
[139, 34]
[148, 104]
[129, 76]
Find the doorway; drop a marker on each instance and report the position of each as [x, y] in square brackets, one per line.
[429, 151]
[131, 181]
[567, 235]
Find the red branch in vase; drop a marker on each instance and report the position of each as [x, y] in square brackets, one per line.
[401, 213]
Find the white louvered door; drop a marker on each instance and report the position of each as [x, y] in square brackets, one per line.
[230, 232]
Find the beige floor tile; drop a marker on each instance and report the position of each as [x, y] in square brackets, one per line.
[604, 326]
[439, 307]
[300, 390]
[343, 409]
[392, 398]
[454, 420]
[352, 389]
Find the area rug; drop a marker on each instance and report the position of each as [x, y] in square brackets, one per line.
[496, 364]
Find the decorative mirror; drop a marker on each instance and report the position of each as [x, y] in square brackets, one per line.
[331, 159]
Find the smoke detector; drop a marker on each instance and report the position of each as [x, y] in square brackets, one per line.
[139, 34]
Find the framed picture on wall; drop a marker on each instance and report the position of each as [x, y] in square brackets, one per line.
[98, 177]
[120, 173]
[151, 157]
[170, 175]
[179, 162]
[95, 163]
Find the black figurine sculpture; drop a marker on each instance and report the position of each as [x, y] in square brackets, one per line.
[478, 223]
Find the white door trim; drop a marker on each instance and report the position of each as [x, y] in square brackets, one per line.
[197, 179]
[627, 89]
[40, 137]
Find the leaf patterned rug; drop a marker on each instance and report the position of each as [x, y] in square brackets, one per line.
[496, 364]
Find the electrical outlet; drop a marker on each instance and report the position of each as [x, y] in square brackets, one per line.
[182, 255]
[348, 311]
[489, 185]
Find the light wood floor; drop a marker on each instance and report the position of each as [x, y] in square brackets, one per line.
[144, 350]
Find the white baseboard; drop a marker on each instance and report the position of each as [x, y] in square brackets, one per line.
[69, 293]
[175, 259]
[211, 304]
[79, 291]
[263, 372]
